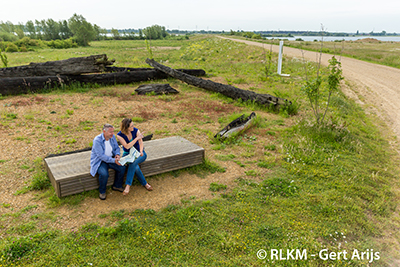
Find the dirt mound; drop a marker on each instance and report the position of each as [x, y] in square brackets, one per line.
[368, 40]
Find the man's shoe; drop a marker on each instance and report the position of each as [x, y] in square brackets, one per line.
[102, 196]
[120, 189]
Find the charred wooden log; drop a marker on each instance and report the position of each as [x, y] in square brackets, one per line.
[71, 66]
[236, 125]
[193, 72]
[227, 90]
[13, 86]
[157, 89]
[22, 85]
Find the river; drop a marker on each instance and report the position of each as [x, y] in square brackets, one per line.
[335, 38]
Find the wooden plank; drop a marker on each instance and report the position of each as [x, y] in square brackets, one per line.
[69, 174]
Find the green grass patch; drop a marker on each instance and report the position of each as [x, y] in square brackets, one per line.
[215, 187]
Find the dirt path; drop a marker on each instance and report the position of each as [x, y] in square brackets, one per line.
[376, 85]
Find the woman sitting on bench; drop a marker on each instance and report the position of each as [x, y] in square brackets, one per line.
[129, 136]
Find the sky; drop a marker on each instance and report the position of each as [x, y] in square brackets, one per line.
[247, 15]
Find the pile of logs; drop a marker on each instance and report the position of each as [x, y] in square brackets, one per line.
[97, 69]
[94, 69]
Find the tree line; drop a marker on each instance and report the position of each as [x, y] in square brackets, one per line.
[77, 27]
[76, 31]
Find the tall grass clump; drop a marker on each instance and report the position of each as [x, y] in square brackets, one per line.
[40, 180]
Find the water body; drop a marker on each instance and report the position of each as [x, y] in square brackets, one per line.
[339, 38]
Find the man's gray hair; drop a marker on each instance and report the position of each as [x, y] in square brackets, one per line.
[107, 126]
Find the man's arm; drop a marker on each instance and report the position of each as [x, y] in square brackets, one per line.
[116, 150]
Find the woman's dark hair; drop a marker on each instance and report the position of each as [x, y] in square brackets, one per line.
[125, 123]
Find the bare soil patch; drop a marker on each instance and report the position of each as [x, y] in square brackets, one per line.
[36, 126]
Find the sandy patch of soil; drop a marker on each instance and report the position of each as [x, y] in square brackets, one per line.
[35, 126]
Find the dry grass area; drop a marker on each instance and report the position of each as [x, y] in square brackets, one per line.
[34, 126]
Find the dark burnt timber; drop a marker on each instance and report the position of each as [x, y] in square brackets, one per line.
[193, 72]
[71, 66]
[157, 89]
[236, 125]
[226, 90]
[23, 85]
[14, 86]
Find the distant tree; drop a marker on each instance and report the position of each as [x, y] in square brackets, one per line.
[82, 30]
[51, 29]
[30, 28]
[115, 34]
[99, 32]
[247, 34]
[7, 27]
[39, 29]
[155, 32]
[45, 33]
[65, 32]
[20, 30]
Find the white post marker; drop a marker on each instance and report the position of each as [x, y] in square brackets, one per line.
[280, 60]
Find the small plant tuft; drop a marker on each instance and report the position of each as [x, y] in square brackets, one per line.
[215, 187]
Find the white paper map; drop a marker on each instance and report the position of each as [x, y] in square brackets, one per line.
[131, 157]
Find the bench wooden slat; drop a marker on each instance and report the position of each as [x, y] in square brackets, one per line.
[69, 174]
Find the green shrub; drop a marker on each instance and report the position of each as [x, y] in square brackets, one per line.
[27, 42]
[11, 48]
[62, 44]
[23, 49]
[4, 59]
[7, 37]
[256, 36]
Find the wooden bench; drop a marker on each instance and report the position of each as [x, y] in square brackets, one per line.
[69, 174]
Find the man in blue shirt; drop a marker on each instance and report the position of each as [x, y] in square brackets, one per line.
[105, 155]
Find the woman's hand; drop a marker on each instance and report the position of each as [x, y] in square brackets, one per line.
[140, 136]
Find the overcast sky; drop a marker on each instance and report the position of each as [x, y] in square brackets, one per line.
[247, 15]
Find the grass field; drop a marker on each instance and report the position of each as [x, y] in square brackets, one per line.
[316, 188]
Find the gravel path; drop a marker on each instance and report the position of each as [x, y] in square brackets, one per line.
[376, 85]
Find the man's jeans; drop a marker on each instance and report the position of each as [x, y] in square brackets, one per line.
[133, 168]
[103, 175]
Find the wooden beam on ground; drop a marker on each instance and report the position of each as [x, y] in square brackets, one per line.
[157, 89]
[227, 90]
[23, 85]
[71, 66]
